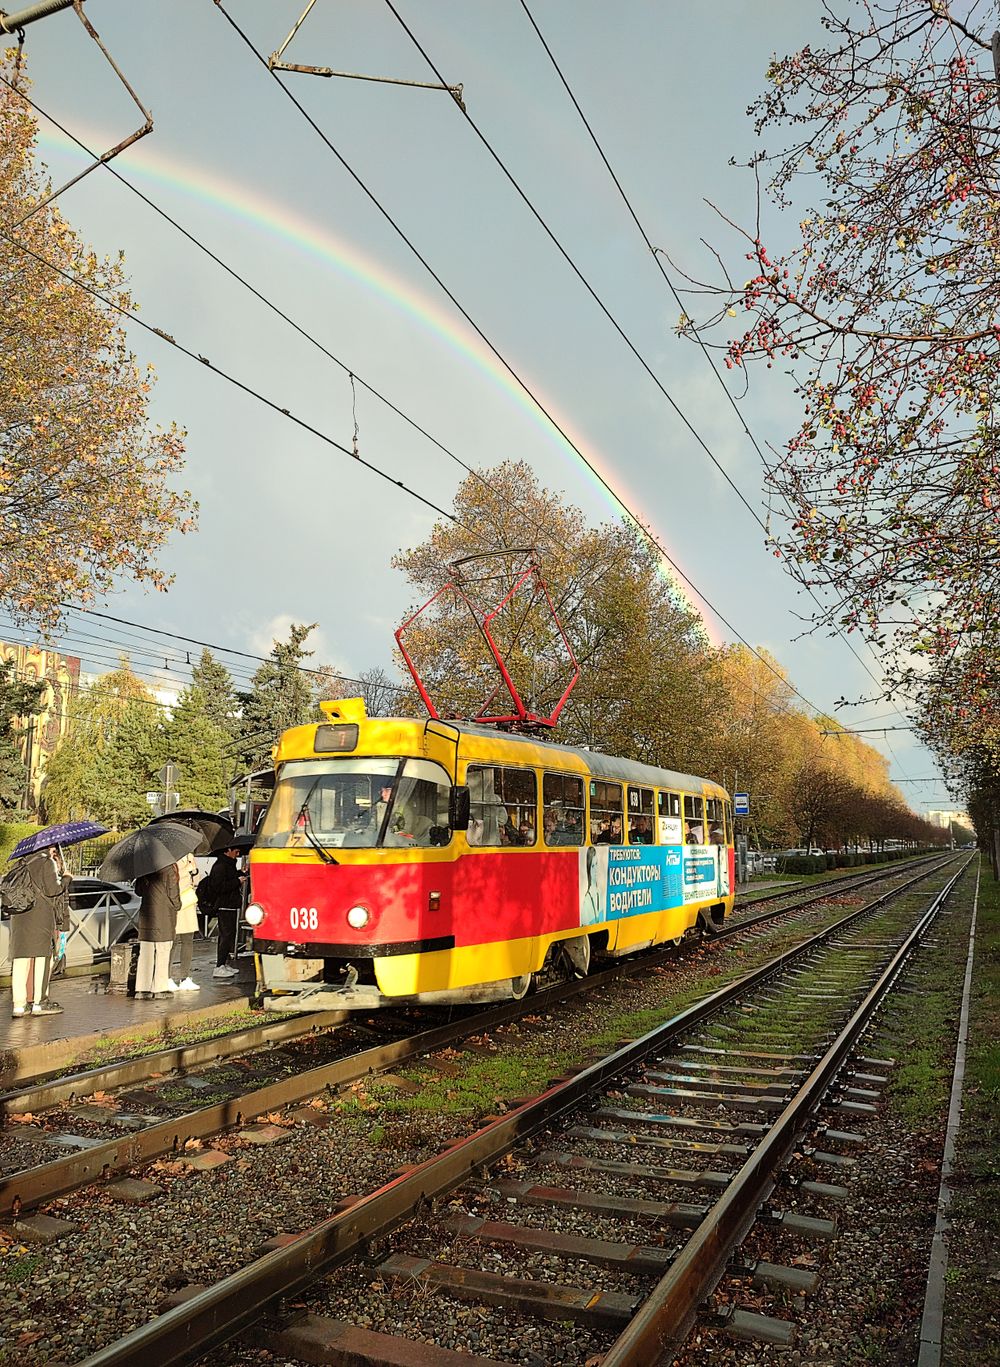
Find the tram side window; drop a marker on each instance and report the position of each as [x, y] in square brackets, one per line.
[694, 821]
[563, 810]
[668, 818]
[716, 824]
[606, 822]
[503, 805]
[640, 816]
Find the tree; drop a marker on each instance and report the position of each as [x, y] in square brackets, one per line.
[84, 494]
[887, 314]
[646, 685]
[108, 761]
[18, 699]
[200, 747]
[750, 740]
[219, 701]
[381, 695]
[280, 695]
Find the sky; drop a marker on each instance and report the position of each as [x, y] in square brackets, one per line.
[291, 528]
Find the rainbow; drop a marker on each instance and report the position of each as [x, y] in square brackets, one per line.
[310, 239]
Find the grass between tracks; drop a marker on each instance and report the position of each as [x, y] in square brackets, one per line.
[115, 1049]
[476, 1084]
[972, 1305]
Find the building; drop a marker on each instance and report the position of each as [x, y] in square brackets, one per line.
[945, 819]
[41, 734]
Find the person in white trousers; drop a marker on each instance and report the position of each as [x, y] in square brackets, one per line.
[158, 910]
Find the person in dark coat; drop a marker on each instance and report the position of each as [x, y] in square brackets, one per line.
[33, 933]
[161, 900]
[221, 895]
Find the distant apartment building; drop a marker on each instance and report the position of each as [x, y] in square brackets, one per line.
[41, 734]
[944, 818]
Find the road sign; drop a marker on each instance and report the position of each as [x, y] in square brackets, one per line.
[169, 775]
[152, 798]
[741, 804]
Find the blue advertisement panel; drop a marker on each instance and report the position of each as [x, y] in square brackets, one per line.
[617, 881]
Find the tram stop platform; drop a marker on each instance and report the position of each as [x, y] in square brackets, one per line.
[93, 1020]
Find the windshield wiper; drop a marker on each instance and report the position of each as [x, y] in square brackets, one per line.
[305, 816]
[380, 839]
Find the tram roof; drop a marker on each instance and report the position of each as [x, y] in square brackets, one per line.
[600, 765]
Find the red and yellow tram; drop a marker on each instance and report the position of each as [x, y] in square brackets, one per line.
[444, 862]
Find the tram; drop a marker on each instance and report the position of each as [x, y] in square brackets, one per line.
[440, 862]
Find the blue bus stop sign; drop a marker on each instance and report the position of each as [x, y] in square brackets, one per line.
[741, 804]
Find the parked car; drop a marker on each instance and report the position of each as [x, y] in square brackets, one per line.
[101, 914]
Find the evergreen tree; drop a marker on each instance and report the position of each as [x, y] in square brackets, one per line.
[281, 696]
[220, 701]
[105, 766]
[17, 699]
[202, 750]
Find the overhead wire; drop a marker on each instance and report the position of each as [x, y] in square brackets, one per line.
[657, 257]
[218, 260]
[630, 515]
[529, 204]
[248, 285]
[225, 375]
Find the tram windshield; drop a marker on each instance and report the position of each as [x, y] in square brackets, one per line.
[373, 803]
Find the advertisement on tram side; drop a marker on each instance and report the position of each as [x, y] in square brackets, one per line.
[620, 881]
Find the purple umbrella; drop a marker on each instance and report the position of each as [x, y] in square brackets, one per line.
[67, 833]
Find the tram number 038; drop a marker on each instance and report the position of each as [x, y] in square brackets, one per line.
[304, 918]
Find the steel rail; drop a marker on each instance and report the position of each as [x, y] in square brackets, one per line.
[842, 882]
[181, 1057]
[662, 1323]
[211, 1317]
[733, 926]
[25, 1190]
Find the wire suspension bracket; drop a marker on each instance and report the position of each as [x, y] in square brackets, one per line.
[275, 63]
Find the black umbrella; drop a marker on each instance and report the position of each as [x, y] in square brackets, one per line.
[244, 840]
[145, 851]
[215, 831]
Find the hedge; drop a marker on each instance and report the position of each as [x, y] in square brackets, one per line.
[10, 833]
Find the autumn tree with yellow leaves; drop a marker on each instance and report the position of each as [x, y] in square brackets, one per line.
[647, 688]
[86, 492]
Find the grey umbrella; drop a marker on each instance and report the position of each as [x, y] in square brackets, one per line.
[214, 830]
[146, 850]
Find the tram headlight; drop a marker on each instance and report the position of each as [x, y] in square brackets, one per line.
[254, 914]
[358, 917]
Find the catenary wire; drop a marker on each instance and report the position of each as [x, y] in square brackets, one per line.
[632, 517]
[225, 375]
[657, 257]
[529, 204]
[242, 280]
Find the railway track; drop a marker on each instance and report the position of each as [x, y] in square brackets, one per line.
[734, 1081]
[157, 1120]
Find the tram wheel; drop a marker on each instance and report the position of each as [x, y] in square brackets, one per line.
[677, 941]
[521, 986]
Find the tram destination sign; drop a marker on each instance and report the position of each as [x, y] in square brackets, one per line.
[741, 804]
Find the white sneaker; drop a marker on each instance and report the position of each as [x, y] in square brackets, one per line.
[172, 986]
[224, 971]
[189, 985]
[18, 1011]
